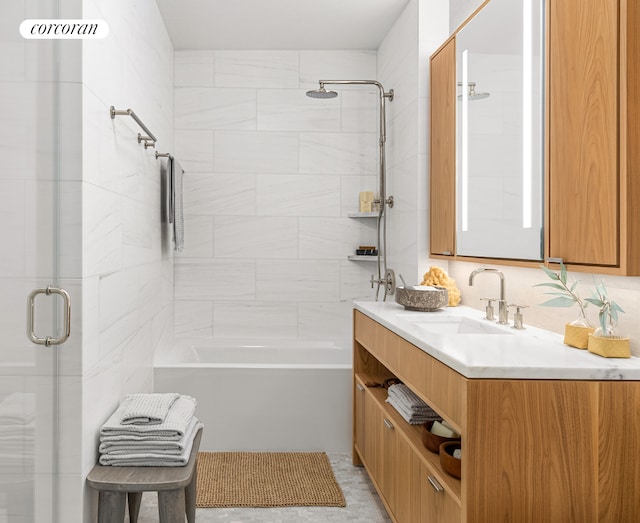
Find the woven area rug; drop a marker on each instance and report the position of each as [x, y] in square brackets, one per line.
[266, 479]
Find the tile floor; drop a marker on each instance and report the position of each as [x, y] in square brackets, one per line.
[363, 504]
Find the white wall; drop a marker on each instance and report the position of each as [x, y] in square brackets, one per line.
[460, 10]
[403, 63]
[270, 177]
[398, 70]
[127, 260]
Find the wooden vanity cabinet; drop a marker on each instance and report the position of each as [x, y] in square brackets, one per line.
[391, 449]
[442, 157]
[533, 450]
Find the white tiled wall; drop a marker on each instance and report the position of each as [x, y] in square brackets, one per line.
[127, 259]
[270, 177]
[403, 61]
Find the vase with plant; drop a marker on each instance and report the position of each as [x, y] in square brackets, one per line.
[576, 333]
[605, 341]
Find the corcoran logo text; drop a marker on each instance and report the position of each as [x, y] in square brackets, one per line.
[63, 29]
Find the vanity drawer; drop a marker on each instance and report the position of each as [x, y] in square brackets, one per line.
[369, 334]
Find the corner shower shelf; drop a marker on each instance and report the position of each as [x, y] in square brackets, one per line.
[356, 214]
[361, 257]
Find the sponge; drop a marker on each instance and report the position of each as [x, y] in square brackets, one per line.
[436, 276]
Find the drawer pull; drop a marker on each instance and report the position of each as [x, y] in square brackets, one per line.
[360, 387]
[388, 424]
[434, 483]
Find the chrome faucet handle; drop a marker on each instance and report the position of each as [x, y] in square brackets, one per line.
[489, 313]
[517, 316]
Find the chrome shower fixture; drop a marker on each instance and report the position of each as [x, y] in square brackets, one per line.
[321, 93]
[471, 94]
[385, 276]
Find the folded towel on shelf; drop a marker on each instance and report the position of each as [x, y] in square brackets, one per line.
[148, 409]
[152, 459]
[409, 398]
[172, 428]
[414, 418]
[129, 445]
[409, 405]
[176, 174]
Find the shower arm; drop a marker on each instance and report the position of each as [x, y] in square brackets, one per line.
[383, 95]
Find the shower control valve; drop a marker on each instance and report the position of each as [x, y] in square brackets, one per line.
[388, 201]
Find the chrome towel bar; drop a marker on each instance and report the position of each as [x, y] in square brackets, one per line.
[149, 139]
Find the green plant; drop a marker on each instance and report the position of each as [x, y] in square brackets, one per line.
[609, 309]
[565, 294]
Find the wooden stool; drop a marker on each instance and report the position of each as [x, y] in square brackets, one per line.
[176, 488]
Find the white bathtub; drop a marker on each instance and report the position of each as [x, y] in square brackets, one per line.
[283, 396]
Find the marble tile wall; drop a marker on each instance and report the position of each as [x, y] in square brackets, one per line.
[270, 177]
[127, 254]
[403, 61]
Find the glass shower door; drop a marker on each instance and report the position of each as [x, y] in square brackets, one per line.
[30, 258]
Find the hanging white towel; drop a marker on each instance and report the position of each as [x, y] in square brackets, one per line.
[176, 174]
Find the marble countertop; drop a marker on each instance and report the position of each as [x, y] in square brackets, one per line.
[461, 338]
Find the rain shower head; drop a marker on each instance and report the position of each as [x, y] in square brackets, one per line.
[321, 93]
[472, 95]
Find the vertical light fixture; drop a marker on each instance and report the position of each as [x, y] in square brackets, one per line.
[527, 98]
[464, 179]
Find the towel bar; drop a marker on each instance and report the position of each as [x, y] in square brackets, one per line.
[149, 139]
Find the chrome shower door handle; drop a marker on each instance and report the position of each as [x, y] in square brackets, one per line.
[66, 330]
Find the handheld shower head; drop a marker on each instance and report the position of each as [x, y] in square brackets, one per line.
[321, 93]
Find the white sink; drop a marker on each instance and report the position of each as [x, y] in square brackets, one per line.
[457, 325]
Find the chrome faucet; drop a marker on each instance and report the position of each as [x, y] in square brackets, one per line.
[503, 311]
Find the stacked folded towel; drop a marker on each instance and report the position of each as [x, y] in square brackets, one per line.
[410, 406]
[17, 432]
[150, 430]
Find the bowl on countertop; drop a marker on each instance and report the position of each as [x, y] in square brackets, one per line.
[449, 464]
[432, 441]
[422, 298]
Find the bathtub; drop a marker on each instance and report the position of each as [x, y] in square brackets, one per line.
[282, 396]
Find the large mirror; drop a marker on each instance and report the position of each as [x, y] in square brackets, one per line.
[499, 132]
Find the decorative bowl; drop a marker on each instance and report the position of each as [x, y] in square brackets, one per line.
[432, 441]
[427, 299]
[449, 464]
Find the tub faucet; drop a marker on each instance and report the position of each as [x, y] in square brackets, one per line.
[503, 311]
